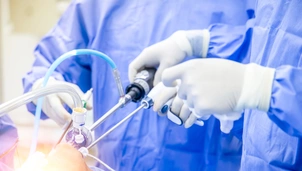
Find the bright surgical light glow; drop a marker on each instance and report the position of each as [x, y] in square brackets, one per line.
[35, 162]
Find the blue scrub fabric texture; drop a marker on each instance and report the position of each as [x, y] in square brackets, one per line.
[272, 140]
[8, 143]
[122, 29]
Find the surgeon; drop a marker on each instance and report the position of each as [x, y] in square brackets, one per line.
[8, 143]
[268, 88]
[122, 29]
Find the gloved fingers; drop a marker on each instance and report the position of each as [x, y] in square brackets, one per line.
[67, 99]
[199, 122]
[226, 126]
[176, 105]
[234, 115]
[163, 97]
[190, 121]
[158, 73]
[49, 111]
[204, 117]
[145, 59]
[227, 121]
[181, 93]
[221, 116]
[133, 70]
[57, 111]
[184, 113]
[229, 116]
[171, 74]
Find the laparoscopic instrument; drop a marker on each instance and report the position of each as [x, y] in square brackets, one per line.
[81, 137]
[135, 92]
[140, 91]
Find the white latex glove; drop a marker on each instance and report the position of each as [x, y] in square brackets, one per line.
[170, 52]
[221, 86]
[163, 95]
[179, 108]
[227, 121]
[53, 103]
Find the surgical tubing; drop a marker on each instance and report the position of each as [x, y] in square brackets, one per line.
[51, 70]
[100, 161]
[30, 96]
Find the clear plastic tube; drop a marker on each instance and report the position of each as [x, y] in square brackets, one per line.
[101, 162]
[30, 96]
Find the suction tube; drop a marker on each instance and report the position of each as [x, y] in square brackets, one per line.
[51, 70]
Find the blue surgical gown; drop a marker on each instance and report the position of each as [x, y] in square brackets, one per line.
[8, 143]
[272, 140]
[122, 29]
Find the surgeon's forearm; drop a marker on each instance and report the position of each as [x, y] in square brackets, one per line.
[286, 100]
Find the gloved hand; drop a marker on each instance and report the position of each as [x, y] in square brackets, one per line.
[163, 95]
[227, 121]
[170, 52]
[180, 109]
[221, 87]
[53, 103]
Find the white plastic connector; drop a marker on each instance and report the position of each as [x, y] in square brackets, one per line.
[79, 138]
[84, 151]
[79, 117]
